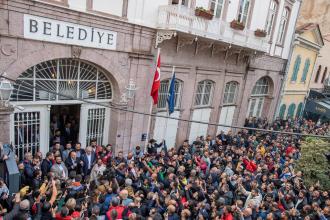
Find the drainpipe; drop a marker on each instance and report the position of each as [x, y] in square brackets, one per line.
[288, 63]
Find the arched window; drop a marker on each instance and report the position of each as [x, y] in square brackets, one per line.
[291, 110]
[216, 7]
[271, 16]
[318, 74]
[243, 11]
[299, 110]
[72, 78]
[282, 111]
[283, 24]
[296, 69]
[306, 70]
[261, 87]
[203, 93]
[163, 93]
[259, 92]
[324, 74]
[230, 92]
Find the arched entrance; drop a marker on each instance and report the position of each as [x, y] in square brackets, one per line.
[53, 95]
[260, 95]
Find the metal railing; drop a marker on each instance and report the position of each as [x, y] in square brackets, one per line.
[183, 19]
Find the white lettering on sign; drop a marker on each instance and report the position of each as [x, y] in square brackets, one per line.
[50, 30]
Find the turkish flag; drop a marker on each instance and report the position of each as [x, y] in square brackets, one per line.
[156, 82]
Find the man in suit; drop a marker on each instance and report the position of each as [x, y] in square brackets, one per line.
[78, 150]
[68, 149]
[72, 163]
[47, 164]
[68, 133]
[87, 161]
[59, 169]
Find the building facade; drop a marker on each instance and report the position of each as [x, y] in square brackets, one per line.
[229, 65]
[307, 45]
[321, 70]
[75, 58]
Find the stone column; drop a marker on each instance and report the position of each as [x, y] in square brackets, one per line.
[5, 123]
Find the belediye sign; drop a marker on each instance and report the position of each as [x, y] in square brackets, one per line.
[44, 29]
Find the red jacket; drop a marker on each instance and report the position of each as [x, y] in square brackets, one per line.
[228, 216]
[120, 209]
[250, 165]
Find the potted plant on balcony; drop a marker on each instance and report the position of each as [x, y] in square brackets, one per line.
[260, 33]
[237, 25]
[202, 12]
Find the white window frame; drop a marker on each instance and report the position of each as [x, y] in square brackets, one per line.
[227, 93]
[271, 17]
[243, 14]
[76, 79]
[283, 24]
[215, 6]
[163, 94]
[201, 94]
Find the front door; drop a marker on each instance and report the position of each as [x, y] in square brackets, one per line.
[94, 124]
[29, 130]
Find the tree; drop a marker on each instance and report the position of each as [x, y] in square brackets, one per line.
[314, 163]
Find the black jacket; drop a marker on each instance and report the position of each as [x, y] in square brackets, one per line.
[45, 167]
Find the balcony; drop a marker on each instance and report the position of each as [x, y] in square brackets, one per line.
[183, 19]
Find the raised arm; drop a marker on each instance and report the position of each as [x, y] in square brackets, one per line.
[54, 193]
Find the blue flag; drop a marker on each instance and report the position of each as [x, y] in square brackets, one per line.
[171, 96]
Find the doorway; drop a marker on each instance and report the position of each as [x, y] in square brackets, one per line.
[64, 124]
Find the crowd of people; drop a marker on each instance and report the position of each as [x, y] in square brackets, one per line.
[244, 175]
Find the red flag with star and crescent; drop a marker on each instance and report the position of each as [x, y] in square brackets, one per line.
[156, 82]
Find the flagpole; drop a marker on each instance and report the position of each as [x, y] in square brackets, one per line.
[167, 107]
[150, 111]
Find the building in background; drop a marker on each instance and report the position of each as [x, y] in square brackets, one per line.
[230, 59]
[65, 55]
[317, 11]
[307, 45]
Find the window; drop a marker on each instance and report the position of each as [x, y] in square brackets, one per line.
[318, 74]
[184, 2]
[271, 17]
[243, 11]
[296, 69]
[259, 91]
[216, 7]
[163, 94]
[203, 93]
[283, 24]
[261, 87]
[291, 110]
[230, 93]
[306, 70]
[282, 111]
[324, 74]
[299, 110]
[71, 78]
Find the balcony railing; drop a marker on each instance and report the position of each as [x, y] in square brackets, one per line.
[183, 19]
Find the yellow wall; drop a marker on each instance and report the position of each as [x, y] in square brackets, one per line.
[292, 99]
[305, 53]
[296, 91]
